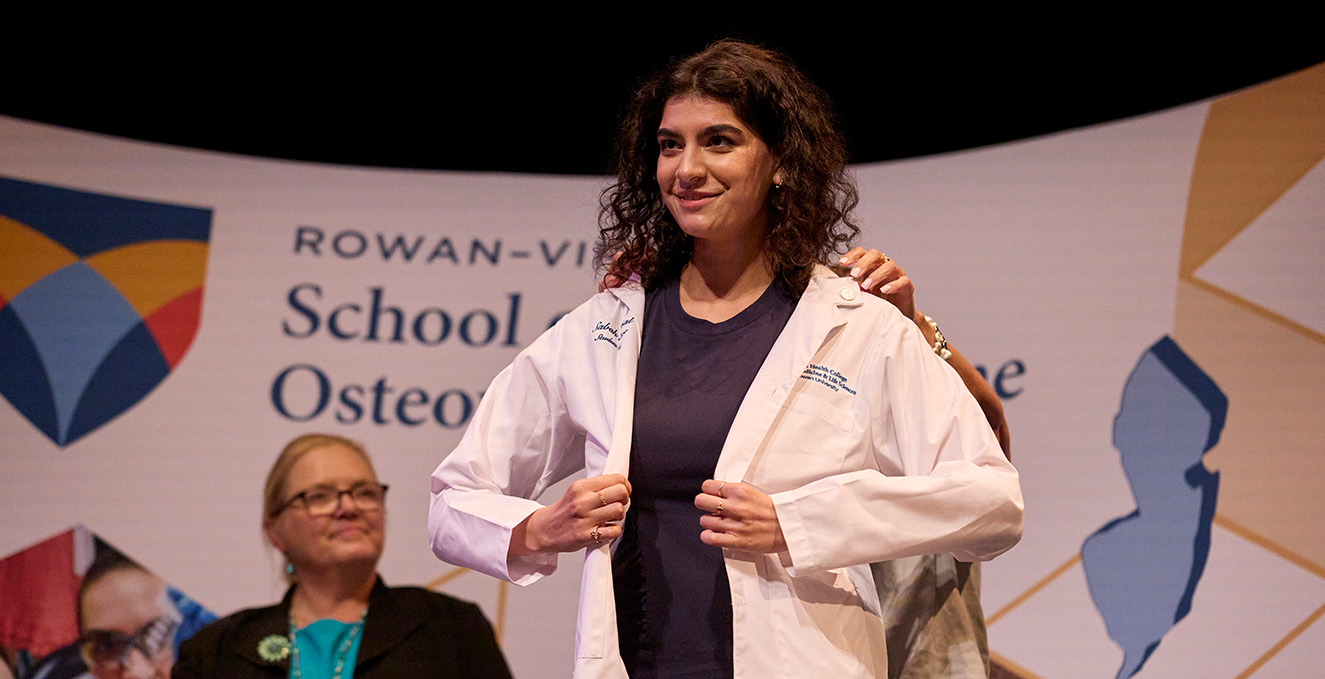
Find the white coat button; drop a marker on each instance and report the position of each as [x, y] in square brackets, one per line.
[848, 294]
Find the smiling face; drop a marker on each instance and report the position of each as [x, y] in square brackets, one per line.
[350, 536]
[714, 171]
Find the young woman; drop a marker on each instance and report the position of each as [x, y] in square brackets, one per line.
[772, 429]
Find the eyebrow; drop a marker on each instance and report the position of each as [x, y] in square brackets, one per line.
[328, 486]
[355, 484]
[720, 128]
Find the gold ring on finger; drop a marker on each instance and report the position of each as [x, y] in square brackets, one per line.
[602, 499]
[597, 535]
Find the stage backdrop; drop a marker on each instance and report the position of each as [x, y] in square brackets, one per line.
[1146, 297]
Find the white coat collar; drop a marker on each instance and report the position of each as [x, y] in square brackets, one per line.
[818, 313]
[630, 294]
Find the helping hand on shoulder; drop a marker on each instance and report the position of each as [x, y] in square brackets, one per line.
[880, 275]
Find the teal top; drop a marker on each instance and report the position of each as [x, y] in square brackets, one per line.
[320, 644]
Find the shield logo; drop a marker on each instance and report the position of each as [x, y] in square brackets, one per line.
[100, 298]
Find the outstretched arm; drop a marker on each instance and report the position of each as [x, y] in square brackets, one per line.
[880, 275]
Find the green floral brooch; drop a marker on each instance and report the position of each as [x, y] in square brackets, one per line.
[274, 648]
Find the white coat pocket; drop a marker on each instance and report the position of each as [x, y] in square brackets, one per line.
[810, 439]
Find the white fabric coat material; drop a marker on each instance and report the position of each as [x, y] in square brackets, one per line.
[869, 445]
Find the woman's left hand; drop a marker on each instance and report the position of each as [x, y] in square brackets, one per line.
[740, 517]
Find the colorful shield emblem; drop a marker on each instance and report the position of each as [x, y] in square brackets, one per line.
[100, 298]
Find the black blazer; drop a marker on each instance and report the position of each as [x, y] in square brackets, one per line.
[409, 632]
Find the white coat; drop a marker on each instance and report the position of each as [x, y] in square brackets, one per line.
[869, 445]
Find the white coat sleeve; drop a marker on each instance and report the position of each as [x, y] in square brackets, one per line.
[519, 442]
[939, 482]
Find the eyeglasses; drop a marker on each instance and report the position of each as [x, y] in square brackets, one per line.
[105, 650]
[324, 500]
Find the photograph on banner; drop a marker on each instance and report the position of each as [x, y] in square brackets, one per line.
[75, 606]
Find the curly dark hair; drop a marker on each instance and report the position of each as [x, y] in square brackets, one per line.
[809, 214]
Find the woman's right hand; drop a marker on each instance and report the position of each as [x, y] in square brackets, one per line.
[880, 275]
[611, 279]
[589, 513]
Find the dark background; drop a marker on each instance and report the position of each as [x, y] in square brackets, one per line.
[476, 94]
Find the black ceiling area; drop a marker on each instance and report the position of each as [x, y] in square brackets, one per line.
[548, 101]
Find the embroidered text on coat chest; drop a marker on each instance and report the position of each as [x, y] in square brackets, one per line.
[828, 377]
[604, 332]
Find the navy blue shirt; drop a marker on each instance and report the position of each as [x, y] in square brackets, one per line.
[674, 616]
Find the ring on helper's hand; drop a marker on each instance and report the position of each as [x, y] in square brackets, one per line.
[886, 258]
[718, 511]
[720, 485]
[602, 499]
[596, 535]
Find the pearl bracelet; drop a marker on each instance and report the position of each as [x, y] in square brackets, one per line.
[940, 344]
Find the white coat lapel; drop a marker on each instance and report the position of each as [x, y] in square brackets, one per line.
[597, 655]
[816, 318]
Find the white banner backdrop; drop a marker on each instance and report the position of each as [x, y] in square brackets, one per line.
[378, 304]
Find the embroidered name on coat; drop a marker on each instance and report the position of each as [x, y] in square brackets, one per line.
[828, 377]
[604, 332]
